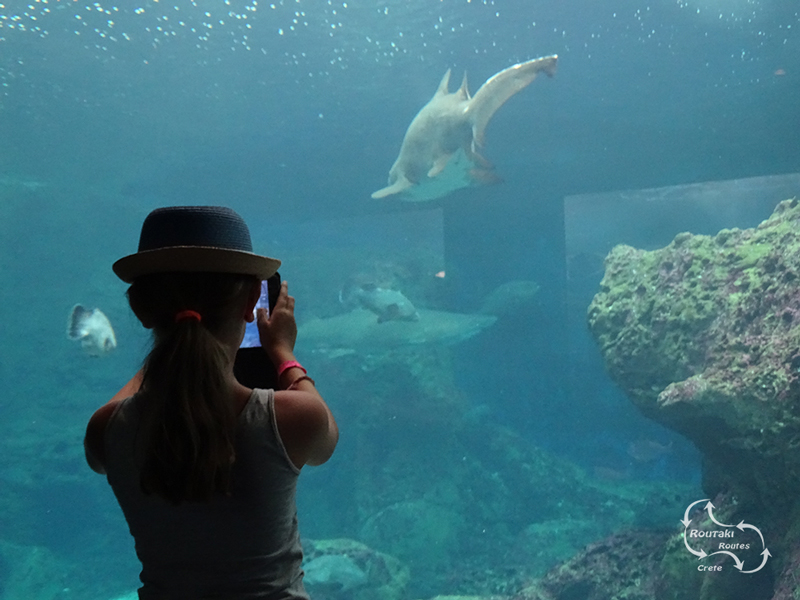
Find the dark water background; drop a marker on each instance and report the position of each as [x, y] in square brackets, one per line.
[292, 113]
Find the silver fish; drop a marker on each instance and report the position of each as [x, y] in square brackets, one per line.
[93, 329]
[388, 304]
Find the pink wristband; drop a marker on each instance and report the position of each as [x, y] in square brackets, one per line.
[288, 365]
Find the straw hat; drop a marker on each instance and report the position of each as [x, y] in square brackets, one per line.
[211, 239]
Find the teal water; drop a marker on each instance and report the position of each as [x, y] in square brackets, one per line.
[476, 457]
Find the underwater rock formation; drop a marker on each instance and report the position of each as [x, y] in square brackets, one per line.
[623, 565]
[335, 572]
[342, 569]
[679, 577]
[468, 504]
[704, 337]
[653, 564]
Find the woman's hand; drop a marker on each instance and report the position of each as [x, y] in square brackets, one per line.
[278, 333]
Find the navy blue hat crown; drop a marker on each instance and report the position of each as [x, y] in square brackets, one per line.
[213, 239]
[207, 226]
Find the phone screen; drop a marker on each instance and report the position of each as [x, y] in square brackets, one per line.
[251, 339]
[252, 367]
[270, 290]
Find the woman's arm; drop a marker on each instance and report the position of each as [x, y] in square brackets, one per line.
[93, 442]
[305, 423]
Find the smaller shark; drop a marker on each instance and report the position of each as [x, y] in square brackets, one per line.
[439, 153]
[359, 332]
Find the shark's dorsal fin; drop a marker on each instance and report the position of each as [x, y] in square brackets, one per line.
[444, 85]
[463, 91]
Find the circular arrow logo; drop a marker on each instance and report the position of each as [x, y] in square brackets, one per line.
[722, 539]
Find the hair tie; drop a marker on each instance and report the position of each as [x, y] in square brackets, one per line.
[188, 314]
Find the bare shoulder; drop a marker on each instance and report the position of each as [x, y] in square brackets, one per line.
[96, 429]
[93, 443]
[306, 427]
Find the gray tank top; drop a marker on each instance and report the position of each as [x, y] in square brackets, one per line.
[243, 546]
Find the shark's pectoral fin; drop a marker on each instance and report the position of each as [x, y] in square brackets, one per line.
[439, 165]
[499, 88]
[484, 176]
[481, 170]
[476, 158]
[398, 186]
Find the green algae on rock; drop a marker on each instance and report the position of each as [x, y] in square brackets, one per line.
[704, 336]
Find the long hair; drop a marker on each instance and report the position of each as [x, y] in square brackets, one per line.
[189, 419]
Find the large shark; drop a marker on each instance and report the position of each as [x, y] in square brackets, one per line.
[360, 331]
[439, 153]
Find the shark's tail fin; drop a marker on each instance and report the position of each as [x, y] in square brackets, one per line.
[550, 64]
[499, 88]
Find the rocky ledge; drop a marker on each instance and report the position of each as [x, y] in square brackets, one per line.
[704, 337]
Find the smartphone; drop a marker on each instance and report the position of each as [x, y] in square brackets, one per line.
[252, 367]
[251, 338]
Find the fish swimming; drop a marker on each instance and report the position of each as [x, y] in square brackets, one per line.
[388, 304]
[439, 153]
[646, 450]
[93, 329]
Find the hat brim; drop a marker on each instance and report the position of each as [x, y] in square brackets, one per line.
[194, 259]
